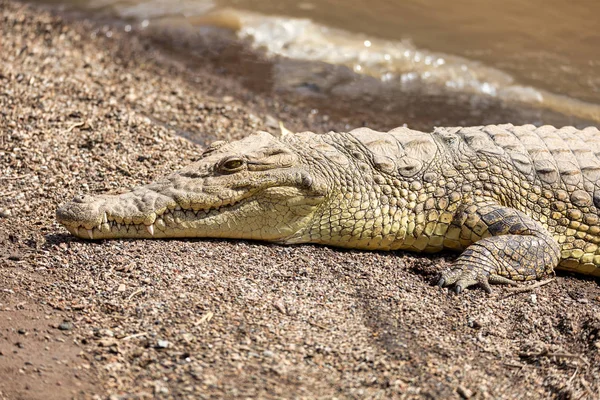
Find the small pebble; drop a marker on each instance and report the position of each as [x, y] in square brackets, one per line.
[464, 392]
[473, 323]
[65, 326]
[268, 354]
[280, 306]
[188, 337]
[533, 298]
[104, 333]
[271, 122]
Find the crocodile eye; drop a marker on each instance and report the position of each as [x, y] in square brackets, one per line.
[232, 165]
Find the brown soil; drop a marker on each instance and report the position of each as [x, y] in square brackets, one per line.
[80, 112]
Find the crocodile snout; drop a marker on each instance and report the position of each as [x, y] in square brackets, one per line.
[82, 211]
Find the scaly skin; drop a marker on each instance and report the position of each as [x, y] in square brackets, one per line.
[517, 201]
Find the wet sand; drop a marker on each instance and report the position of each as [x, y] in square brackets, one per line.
[226, 319]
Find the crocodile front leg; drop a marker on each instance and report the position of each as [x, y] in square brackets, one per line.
[507, 246]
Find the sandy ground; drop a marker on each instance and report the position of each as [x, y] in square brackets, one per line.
[80, 112]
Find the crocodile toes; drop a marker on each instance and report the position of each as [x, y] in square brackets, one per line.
[461, 278]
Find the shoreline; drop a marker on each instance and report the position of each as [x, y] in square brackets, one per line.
[333, 91]
[218, 318]
[238, 42]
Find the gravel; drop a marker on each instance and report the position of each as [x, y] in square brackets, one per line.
[83, 113]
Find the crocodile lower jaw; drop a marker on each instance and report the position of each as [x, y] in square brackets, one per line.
[162, 224]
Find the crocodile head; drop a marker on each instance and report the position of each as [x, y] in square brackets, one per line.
[255, 188]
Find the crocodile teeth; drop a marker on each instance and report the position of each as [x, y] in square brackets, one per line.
[150, 229]
[90, 233]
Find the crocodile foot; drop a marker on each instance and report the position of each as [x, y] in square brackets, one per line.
[517, 249]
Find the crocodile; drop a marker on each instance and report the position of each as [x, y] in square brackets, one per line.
[516, 201]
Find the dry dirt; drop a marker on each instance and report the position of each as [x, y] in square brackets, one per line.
[79, 113]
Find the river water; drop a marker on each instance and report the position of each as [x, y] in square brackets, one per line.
[540, 53]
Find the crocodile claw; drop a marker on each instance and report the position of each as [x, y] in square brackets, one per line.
[461, 277]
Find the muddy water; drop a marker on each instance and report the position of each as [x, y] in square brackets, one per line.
[540, 53]
[550, 44]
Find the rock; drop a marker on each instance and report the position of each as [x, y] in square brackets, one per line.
[464, 392]
[271, 122]
[280, 306]
[107, 342]
[103, 333]
[188, 337]
[268, 354]
[65, 326]
[533, 298]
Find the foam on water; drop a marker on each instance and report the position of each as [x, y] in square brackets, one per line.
[396, 62]
[149, 9]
